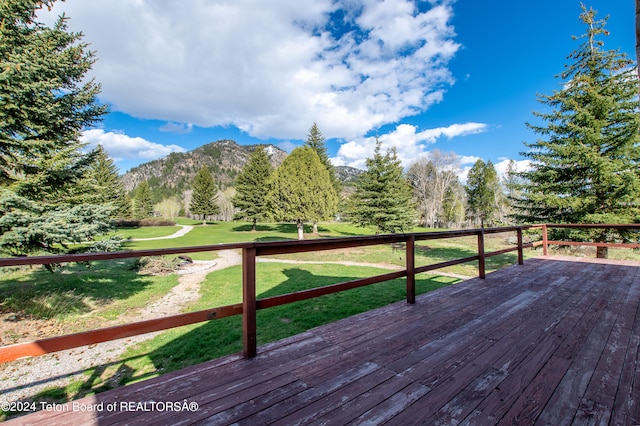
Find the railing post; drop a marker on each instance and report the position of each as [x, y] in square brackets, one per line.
[481, 269]
[545, 240]
[249, 302]
[411, 269]
[520, 248]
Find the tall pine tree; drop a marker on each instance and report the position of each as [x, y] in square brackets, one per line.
[44, 99]
[586, 168]
[252, 187]
[101, 184]
[482, 186]
[205, 195]
[315, 140]
[45, 102]
[143, 201]
[301, 190]
[383, 197]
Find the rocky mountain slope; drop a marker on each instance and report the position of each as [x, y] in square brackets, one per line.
[173, 174]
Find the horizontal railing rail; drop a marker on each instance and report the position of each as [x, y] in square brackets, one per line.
[250, 304]
[545, 242]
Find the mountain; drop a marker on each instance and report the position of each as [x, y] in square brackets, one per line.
[173, 174]
[347, 175]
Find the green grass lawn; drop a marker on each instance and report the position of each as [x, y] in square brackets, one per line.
[238, 232]
[109, 288]
[78, 296]
[147, 231]
[73, 290]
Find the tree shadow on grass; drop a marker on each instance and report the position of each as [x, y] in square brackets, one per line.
[443, 254]
[347, 234]
[72, 289]
[282, 228]
[292, 228]
[260, 227]
[222, 337]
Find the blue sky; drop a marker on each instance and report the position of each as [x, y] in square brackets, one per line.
[457, 76]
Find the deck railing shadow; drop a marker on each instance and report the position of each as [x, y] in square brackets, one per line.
[250, 303]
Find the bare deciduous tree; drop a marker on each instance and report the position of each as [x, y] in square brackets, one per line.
[431, 176]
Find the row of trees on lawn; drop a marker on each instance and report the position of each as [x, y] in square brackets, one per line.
[304, 189]
[386, 198]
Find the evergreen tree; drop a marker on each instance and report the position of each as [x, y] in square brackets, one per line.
[315, 140]
[45, 102]
[101, 184]
[205, 195]
[586, 168]
[638, 36]
[143, 201]
[28, 227]
[383, 198]
[252, 188]
[512, 184]
[301, 190]
[129, 204]
[512, 181]
[482, 187]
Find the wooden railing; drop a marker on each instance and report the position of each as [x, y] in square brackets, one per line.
[250, 304]
[545, 242]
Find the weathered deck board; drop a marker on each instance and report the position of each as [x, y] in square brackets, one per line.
[534, 342]
[555, 341]
[627, 402]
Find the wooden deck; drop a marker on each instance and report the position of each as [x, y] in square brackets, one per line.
[552, 342]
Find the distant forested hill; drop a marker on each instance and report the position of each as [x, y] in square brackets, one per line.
[173, 175]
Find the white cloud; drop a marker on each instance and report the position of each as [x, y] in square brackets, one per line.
[453, 131]
[463, 174]
[176, 128]
[287, 146]
[503, 164]
[408, 143]
[469, 159]
[120, 146]
[501, 167]
[269, 67]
